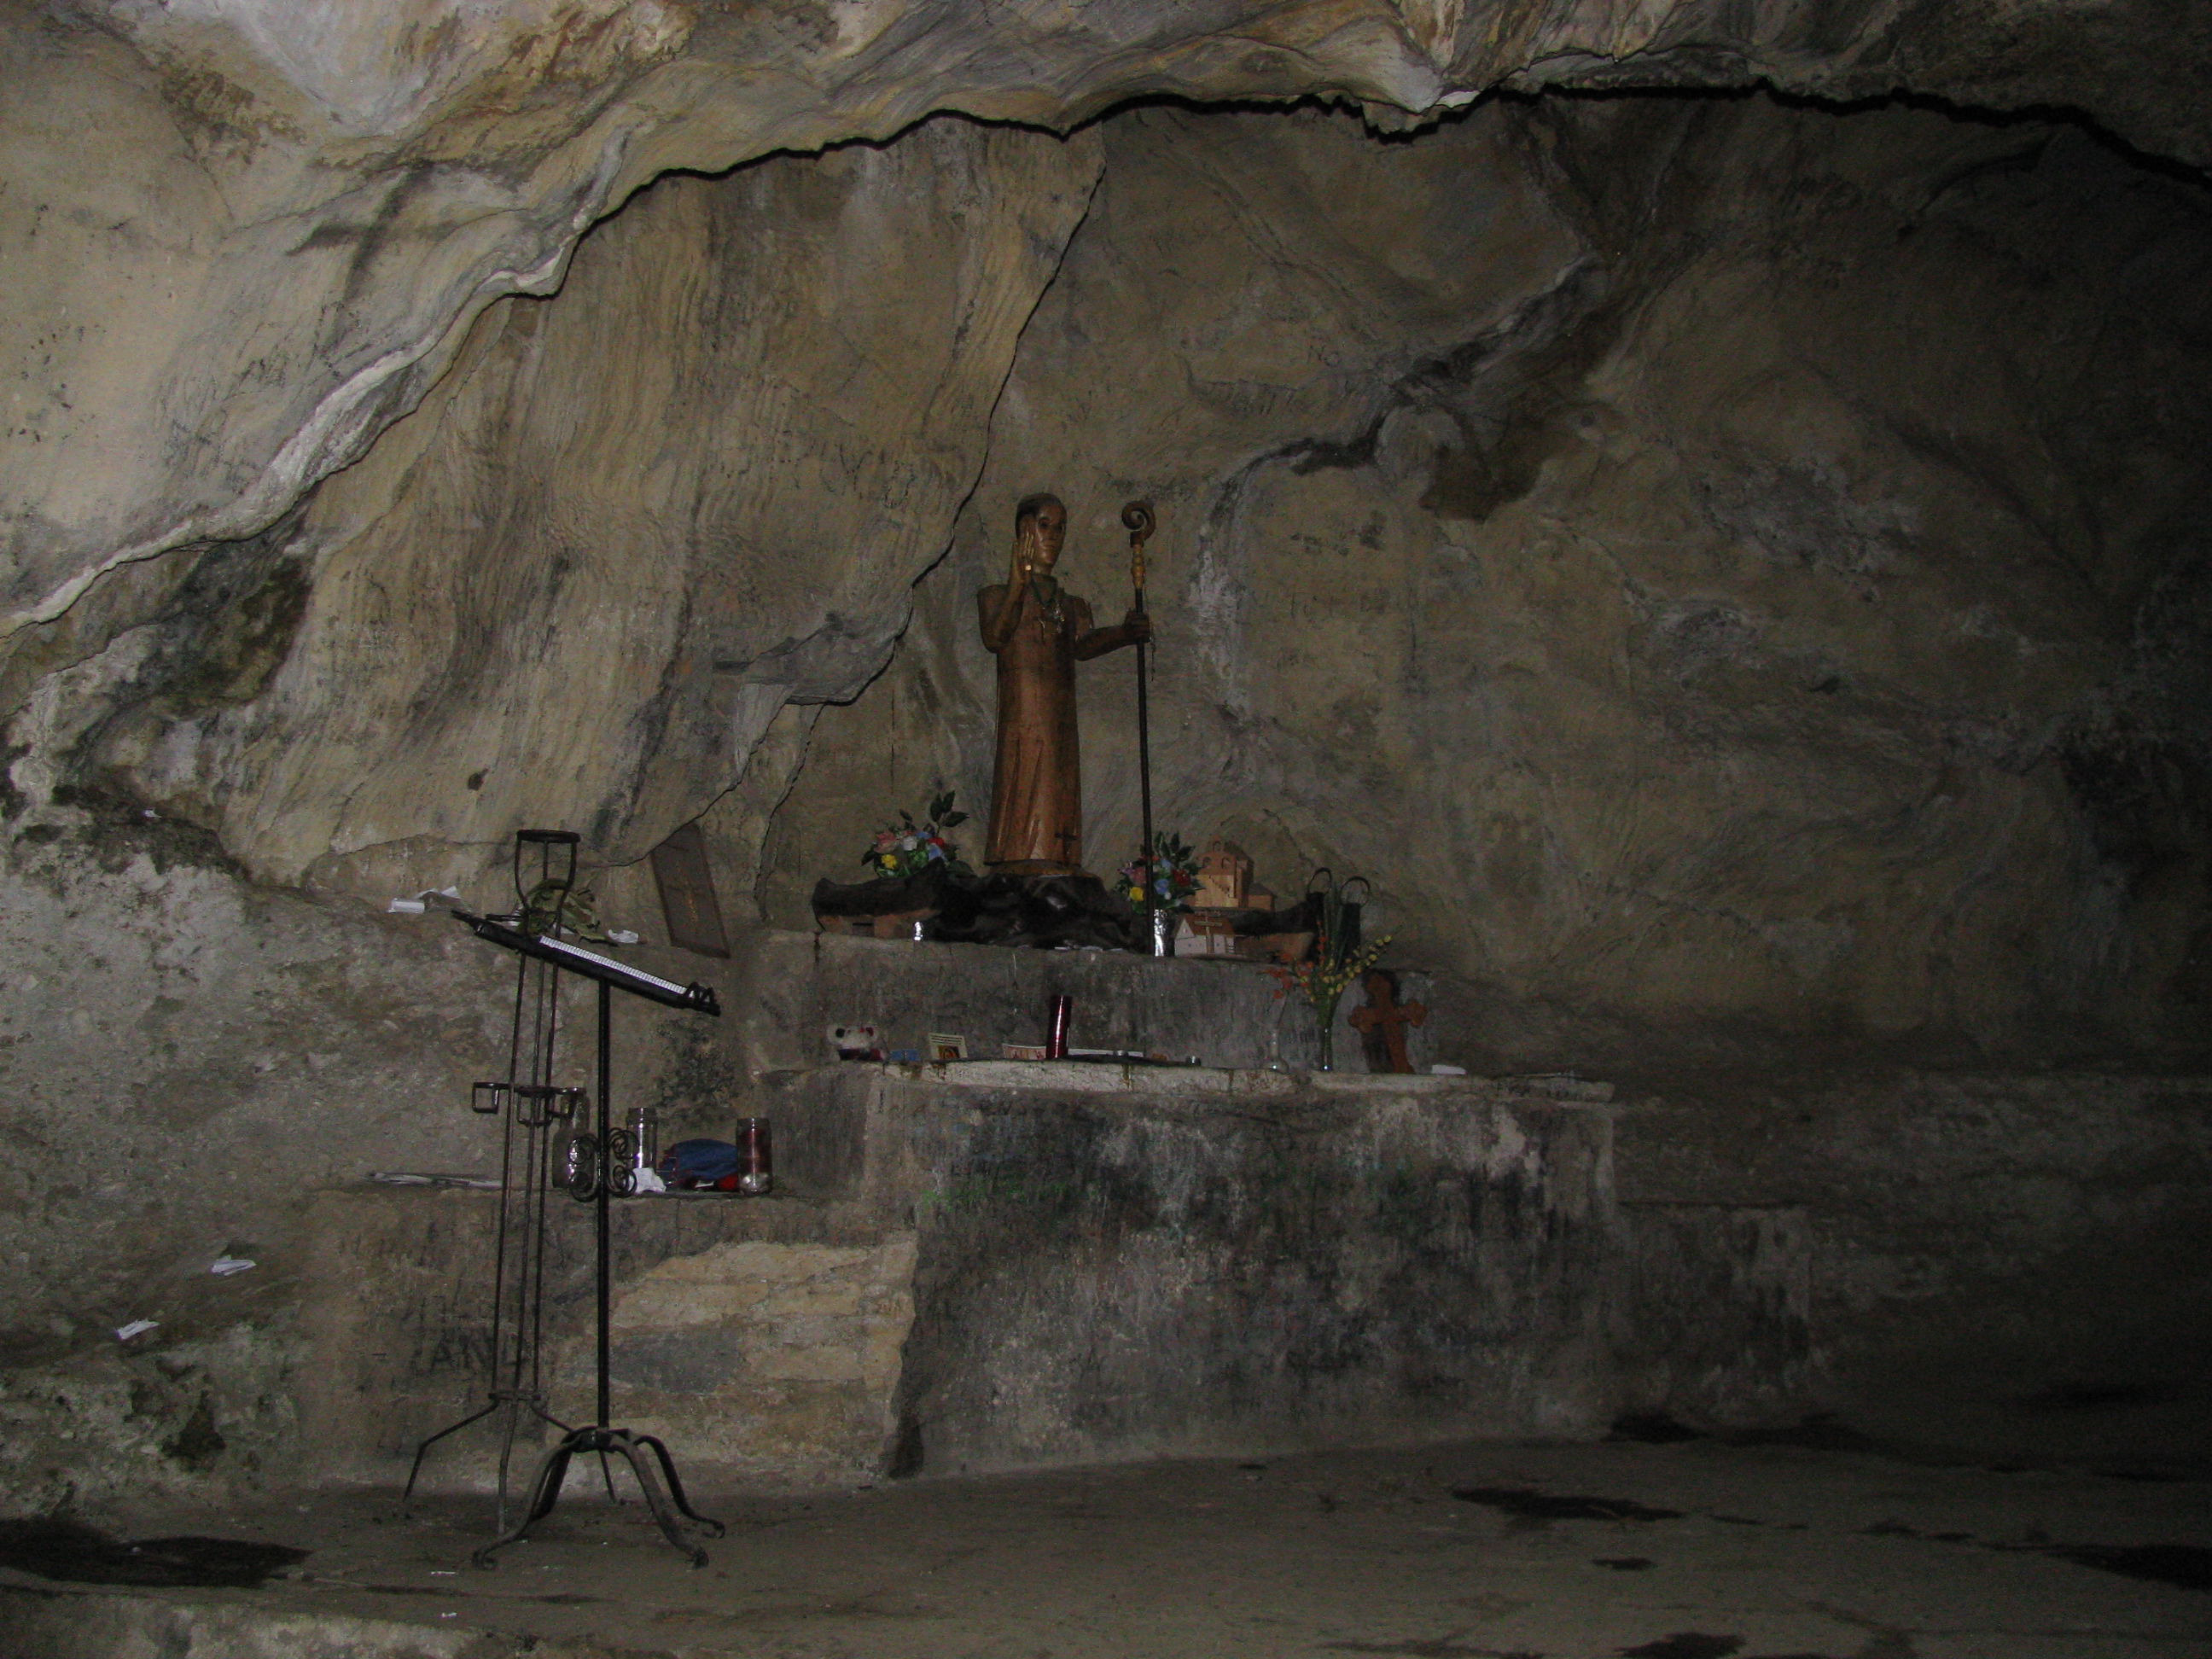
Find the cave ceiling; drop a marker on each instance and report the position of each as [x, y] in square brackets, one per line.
[247, 236]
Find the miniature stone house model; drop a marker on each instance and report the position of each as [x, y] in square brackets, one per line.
[1704, 508]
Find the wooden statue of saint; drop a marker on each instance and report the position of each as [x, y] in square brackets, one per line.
[1039, 631]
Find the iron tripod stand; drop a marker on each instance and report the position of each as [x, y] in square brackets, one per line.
[531, 1109]
[596, 1165]
[517, 1383]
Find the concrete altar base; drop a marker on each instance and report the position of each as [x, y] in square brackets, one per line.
[1000, 1265]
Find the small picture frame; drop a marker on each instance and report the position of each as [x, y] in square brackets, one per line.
[947, 1045]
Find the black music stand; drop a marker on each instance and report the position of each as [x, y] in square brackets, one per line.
[595, 1169]
[530, 1109]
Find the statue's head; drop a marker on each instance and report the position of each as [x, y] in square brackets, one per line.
[1040, 530]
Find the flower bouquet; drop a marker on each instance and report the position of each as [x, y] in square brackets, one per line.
[1175, 874]
[907, 848]
[1338, 960]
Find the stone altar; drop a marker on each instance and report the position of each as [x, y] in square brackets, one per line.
[998, 1265]
[785, 988]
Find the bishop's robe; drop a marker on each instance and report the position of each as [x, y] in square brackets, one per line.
[1036, 782]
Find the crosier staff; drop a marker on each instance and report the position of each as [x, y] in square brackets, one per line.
[1137, 519]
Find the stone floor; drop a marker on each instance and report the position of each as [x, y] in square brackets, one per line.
[1694, 1550]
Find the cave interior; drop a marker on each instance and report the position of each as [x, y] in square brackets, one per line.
[1705, 517]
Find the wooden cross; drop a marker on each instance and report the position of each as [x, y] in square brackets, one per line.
[1382, 1024]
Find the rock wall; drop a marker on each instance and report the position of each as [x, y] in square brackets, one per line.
[577, 584]
[187, 1058]
[2004, 1264]
[1728, 571]
[247, 238]
[760, 1340]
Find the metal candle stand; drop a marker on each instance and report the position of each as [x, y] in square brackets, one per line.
[596, 1166]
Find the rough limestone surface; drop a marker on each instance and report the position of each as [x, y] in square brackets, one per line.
[769, 1358]
[1993, 1243]
[187, 1058]
[759, 1338]
[1732, 570]
[1719, 567]
[578, 583]
[1006, 1264]
[1715, 1323]
[1243, 1262]
[248, 235]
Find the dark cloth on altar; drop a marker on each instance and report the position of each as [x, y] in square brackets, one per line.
[995, 909]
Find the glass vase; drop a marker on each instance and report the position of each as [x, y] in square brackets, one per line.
[1325, 1035]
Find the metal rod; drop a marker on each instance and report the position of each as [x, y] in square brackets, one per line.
[542, 1182]
[605, 1417]
[1137, 518]
[1144, 796]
